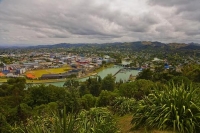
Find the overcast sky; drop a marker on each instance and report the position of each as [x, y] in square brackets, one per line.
[32, 22]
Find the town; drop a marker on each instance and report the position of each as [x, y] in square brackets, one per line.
[45, 65]
[50, 65]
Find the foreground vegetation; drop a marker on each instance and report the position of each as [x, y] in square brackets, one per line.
[162, 100]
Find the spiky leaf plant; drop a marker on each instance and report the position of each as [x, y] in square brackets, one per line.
[174, 108]
[96, 120]
[123, 105]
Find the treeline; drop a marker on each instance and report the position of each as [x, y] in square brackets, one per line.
[163, 99]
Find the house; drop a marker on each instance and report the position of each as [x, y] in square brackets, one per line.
[156, 59]
[10, 75]
[106, 58]
[30, 76]
[166, 66]
[2, 75]
[99, 62]
[21, 71]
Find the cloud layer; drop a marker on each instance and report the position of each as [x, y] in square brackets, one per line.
[99, 21]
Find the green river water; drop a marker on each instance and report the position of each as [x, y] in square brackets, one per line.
[112, 70]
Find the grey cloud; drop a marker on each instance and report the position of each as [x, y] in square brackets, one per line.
[170, 2]
[3, 30]
[84, 18]
[100, 21]
[188, 9]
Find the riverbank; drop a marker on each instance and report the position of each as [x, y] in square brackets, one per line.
[36, 81]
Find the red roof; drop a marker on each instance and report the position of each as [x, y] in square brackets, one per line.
[1, 75]
[29, 75]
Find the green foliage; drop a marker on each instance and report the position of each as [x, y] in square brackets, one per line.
[71, 83]
[123, 105]
[145, 74]
[108, 83]
[88, 101]
[179, 80]
[105, 98]
[94, 86]
[6, 60]
[4, 126]
[44, 94]
[174, 108]
[83, 89]
[137, 89]
[194, 75]
[96, 120]
[192, 71]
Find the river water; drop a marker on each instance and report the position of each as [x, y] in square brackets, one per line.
[111, 70]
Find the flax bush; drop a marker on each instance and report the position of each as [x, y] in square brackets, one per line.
[175, 108]
[96, 120]
[123, 105]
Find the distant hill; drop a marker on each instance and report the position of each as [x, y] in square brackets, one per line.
[191, 46]
[139, 45]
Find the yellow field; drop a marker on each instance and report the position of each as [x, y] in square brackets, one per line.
[3, 80]
[39, 73]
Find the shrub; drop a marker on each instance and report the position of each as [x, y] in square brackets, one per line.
[96, 120]
[123, 105]
[174, 108]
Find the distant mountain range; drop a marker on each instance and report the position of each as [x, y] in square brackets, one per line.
[125, 45]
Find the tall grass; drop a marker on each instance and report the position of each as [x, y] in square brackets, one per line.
[96, 120]
[175, 108]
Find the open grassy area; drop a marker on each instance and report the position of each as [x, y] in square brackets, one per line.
[3, 80]
[39, 73]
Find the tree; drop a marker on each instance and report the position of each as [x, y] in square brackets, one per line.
[72, 83]
[88, 101]
[108, 83]
[179, 80]
[194, 75]
[83, 89]
[137, 89]
[105, 98]
[44, 94]
[145, 74]
[93, 85]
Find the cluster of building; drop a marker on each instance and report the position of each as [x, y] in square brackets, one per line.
[80, 64]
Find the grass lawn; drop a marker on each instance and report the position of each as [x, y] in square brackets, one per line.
[3, 80]
[124, 124]
[39, 73]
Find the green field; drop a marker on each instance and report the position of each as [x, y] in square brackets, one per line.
[39, 73]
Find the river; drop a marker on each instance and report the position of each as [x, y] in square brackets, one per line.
[111, 70]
